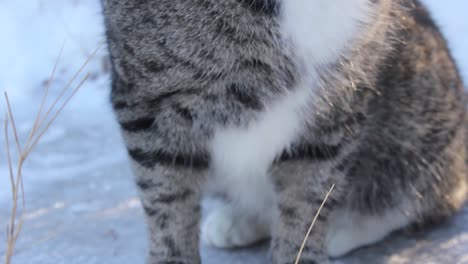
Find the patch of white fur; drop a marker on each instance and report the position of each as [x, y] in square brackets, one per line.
[321, 29]
[228, 227]
[242, 156]
[350, 230]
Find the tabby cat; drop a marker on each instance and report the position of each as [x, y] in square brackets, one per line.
[273, 102]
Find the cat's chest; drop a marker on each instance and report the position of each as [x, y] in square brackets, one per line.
[317, 32]
[320, 30]
[251, 149]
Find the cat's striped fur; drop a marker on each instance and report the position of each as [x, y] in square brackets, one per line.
[272, 102]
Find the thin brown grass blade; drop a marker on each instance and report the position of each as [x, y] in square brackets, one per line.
[301, 250]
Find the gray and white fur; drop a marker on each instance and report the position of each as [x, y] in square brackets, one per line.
[271, 102]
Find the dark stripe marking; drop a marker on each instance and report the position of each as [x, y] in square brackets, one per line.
[150, 211]
[266, 7]
[312, 152]
[154, 101]
[119, 105]
[184, 62]
[288, 211]
[153, 158]
[256, 64]
[245, 97]
[184, 112]
[154, 66]
[119, 86]
[167, 198]
[146, 184]
[162, 220]
[138, 124]
[170, 244]
[166, 95]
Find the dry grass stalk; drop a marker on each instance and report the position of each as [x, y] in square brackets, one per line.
[298, 258]
[42, 122]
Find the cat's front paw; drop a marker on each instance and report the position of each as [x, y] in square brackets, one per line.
[227, 227]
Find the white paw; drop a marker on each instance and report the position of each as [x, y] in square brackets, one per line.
[227, 228]
[340, 240]
[349, 231]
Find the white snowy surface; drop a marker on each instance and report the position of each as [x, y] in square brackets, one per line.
[80, 198]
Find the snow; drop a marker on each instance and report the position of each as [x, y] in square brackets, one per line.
[80, 197]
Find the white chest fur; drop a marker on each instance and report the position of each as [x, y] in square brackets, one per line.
[318, 31]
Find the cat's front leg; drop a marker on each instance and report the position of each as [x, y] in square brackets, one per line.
[300, 190]
[170, 201]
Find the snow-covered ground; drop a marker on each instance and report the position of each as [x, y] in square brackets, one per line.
[80, 198]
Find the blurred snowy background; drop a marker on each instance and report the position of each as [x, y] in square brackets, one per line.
[80, 199]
